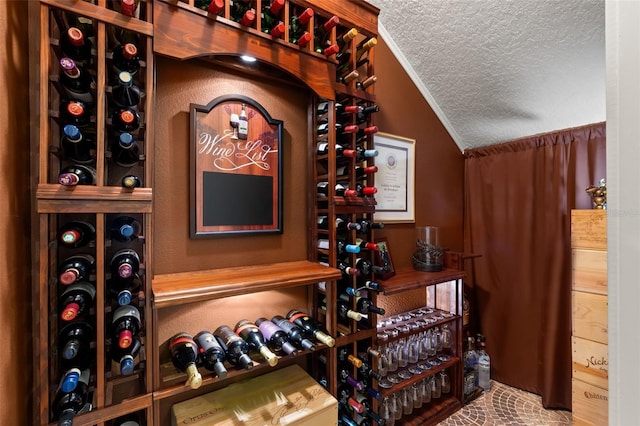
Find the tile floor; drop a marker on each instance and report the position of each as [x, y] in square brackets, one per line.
[507, 406]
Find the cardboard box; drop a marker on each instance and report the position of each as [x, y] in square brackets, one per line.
[288, 396]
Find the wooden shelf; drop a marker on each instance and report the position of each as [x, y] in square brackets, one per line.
[410, 279]
[417, 377]
[197, 286]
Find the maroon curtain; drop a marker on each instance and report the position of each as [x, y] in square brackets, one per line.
[519, 196]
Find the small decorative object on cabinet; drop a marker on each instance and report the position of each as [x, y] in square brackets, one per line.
[590, 379]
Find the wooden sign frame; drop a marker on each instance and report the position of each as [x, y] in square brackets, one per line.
[236, 171]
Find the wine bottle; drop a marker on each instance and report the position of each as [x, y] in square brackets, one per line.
[130, 8]
[344, 312]
[369, 81]
[310, 327]
[364, 305]
[76, 300]
[124, 263]
[66, 405]
[125, 357]
[342, 246]
[124, 289]
[243, 124]
[341, 224]
[76, 234]
[271, 23]
[235, 348]
[348, 77]
[323, 128]
[212, 354]
[345, 400]
[363, 113]
[77, 83]
[251, 334]
[365, 46]
[211, 6]
[344, 41]
[125, 93]
[74, 345]
[367, 409]
[75, 146]
[77, 174]
[133, 419]
[345, 355]
[294, 333]
[125, 119]
[125, 228]
[364, 172]
[367, 245]
[75, 112]
[322, 36]
[76, 268]
[131, 181]
[241, 11]
[184, 354]
[367, 225]
[344, 376]
[125, 150]
[76, 46]
[298, 28]
[126, 324]
[125, 58]
[360, 191]
[275, 336]
[322, 148]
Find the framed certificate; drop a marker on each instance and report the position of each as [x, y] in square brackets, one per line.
[395, 178]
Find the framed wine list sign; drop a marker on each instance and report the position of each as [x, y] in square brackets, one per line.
[236, 168]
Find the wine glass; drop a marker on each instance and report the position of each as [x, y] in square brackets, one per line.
[234, 121]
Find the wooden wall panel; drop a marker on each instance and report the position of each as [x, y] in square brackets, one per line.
[180, 83]
[589, 272]
[15, 279]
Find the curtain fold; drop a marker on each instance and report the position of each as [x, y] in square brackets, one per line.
[518, 201]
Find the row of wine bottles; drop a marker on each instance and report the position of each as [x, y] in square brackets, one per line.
[280, 335]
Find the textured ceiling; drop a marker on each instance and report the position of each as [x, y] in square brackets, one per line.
[497, 70]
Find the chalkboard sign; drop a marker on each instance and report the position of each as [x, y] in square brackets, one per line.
[236, 168]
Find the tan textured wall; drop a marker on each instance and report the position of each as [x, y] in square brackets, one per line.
[15, 284]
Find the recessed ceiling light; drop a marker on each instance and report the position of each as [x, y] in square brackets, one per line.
[248, 58]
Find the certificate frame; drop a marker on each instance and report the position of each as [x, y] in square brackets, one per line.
[395, 179]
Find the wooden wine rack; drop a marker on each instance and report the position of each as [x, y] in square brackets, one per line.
[178, 30]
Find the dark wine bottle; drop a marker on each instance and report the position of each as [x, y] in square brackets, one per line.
[75, 146]
[369, 81]
[367, 225]
[342, 246]
[184, 355]
[125, 93]
[241, 12]
[271, 23]
[124, 263]
[76, 268]
[367, 409]
[211, 6]
[125, 119]
[367, 245]
[76, 300]
[125, 357]
[125, 228]
[364, 305]
[130, 7]
[243, 123]
[344, 376]
[76, 234]
[74, 345]
[125, 58]
[345, 355]
[123, 290]
[341, 224]
[66, 405]
[275, 336]
[322, 35]
[298, 28]
[294, 333]
[75, 112]
[76, 82]
[310, 327]
[211, 353]
[133, 419]
[363, 172]
[364, 47]
[251, 334]
[131, 181]
[235, 348]
[125, 325]
[76, 46]
[344, 312]
[77, 174]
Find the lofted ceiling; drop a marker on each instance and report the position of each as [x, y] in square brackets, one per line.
[498, 70]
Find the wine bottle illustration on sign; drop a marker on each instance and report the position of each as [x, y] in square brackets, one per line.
[184, 355]
[211, 352]
[243, 123]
